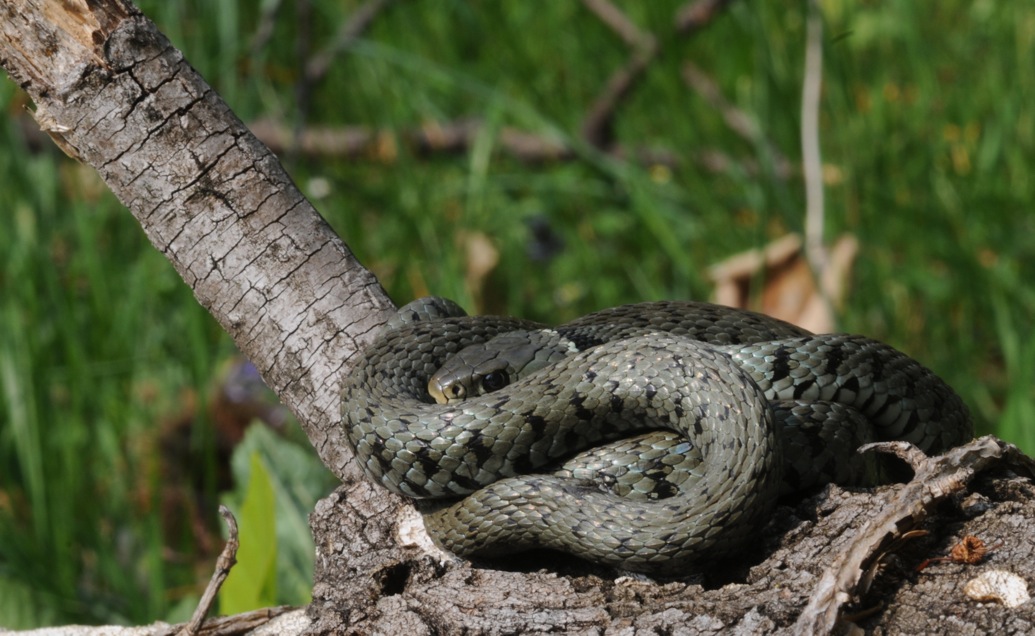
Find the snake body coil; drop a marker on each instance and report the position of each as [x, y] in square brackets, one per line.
[653, 437]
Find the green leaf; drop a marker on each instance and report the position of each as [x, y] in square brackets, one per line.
[298, 480]
[252, 583]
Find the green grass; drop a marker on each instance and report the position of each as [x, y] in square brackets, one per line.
[927, 120]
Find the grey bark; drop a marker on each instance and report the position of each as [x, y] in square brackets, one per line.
[113, 92]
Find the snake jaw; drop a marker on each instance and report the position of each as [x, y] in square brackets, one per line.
[445, 391]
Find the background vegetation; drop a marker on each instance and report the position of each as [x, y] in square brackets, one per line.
[109, 370]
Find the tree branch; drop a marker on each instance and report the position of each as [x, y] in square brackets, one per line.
[114, 93]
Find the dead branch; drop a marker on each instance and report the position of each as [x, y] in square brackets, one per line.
[361, 19]
[695, 16]
[112, 91]
[811, 156]
[736, 119]
[618, 22]
[597, 126]
[226, 560]
[361, 142]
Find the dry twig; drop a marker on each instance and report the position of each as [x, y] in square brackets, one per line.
[696, 16]
[812, 164]
[227, 559]
[597, 127]
[458, 136]
[316, 68]
[738, 121]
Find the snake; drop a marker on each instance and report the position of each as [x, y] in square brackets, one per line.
[653, 437]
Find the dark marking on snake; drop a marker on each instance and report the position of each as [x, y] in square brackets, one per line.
[581, 412]
[537, 422]
[583, 341]
[833, 362]
[800, 389]
[481, 447]
[781, 364]
[616, 403]
[466, 482]
[851, 384]
[428, 465]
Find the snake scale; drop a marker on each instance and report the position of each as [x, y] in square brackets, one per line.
[649, 437]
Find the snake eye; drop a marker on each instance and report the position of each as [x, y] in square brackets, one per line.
[494, 381]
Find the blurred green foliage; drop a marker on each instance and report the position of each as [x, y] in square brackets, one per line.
[928, 132]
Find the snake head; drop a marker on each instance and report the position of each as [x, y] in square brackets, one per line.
[470, 382]
[487, 367]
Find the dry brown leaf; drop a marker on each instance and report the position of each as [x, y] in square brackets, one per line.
[788, 287]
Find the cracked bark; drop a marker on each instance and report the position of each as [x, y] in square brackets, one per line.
[113, 92]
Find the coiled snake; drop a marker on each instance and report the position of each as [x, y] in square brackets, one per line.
[648, 437]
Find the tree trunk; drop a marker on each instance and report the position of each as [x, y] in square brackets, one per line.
[115, 94]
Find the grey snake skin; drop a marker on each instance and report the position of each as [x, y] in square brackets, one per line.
[660, 437]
